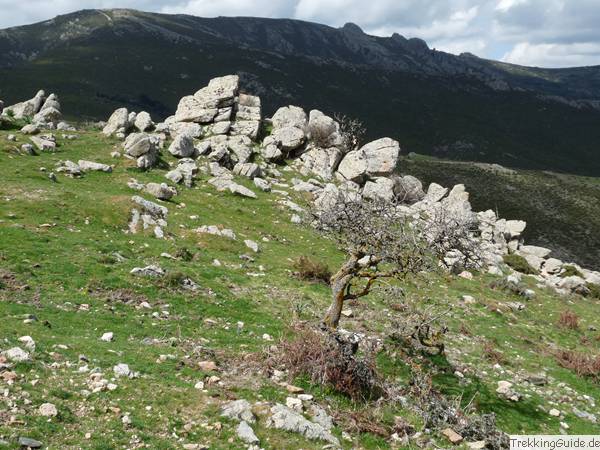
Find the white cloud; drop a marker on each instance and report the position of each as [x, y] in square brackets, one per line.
[553, 55]
[505, 5]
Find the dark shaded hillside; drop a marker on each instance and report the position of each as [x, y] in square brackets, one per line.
[434, 103]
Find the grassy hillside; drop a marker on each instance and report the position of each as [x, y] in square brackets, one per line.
[64, 281]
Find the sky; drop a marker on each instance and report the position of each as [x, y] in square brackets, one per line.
[544, 33]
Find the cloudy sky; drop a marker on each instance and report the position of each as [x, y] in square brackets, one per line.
[547, 33]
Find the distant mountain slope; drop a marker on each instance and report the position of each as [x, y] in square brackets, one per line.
[460, 107]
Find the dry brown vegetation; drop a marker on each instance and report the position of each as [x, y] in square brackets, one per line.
[568, 319]
[327, 359]
[580, 363]
[307, 268]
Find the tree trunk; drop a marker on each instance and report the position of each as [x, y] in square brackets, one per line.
[339, 284]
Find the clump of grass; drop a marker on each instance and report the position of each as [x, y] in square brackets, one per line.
[308, 268]
[107, 259]
[594, 290]
[570, 271]
[173, 279]
[520, 264]
[582, 364]
[327, 359]
[568, 319]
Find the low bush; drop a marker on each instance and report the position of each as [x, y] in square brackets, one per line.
[582, 364]
[568, 319]
[570, 271]
[330, 360]
[520, 264]
[308, 268]
[594, 290]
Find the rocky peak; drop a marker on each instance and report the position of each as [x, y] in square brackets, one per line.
[352, 28]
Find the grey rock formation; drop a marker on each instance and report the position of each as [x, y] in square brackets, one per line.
[284, 418]
[182, 146]
[87, 166]
[143, 122]
[118, 122]
[161, 191]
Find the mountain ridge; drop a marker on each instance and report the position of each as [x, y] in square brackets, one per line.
[459, 107]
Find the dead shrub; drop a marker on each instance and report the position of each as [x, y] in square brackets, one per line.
[568, 319]
[328, 359]
[491, 354]
[582, 364]
[120, 295]
[9, 282]
[310, 269]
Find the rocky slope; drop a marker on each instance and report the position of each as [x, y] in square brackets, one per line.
[460, 107]
[147, 279]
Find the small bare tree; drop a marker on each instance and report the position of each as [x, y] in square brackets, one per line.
[380, 243]
[351, 130]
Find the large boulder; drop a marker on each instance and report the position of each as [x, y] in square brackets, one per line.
[288, 138]
[321, 161]
[182, 146]
[210, 104]
[162, 191]
[28, 108]
[143, 122]
[323, 131]
[382, 156]
[353, 167]
[289, 116]
[118, 122]
[540, 252]
[408, 189]
[379, 189]
[143, 147]
[138, 144]
[48, 115]
[191, 129]
[375, 159]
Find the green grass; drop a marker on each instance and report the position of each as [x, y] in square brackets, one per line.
[73, 262]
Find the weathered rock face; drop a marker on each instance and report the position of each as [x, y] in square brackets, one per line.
[408, 189]
[289, 116]
[28, 108]
[212, 103]
[87, 166]
[143, 147]
[322, 162]
[323, 131]
[182, 146]
[143, 122]
[377, 158]
[117, 123]
[380, 188]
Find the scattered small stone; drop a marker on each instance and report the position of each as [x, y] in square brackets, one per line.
[246, 434]
[29, 443]
[207, 366]
[16, 354]
[121, 370]
[48, 410]
[252, 245]
[452, 436]
[107, 337]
